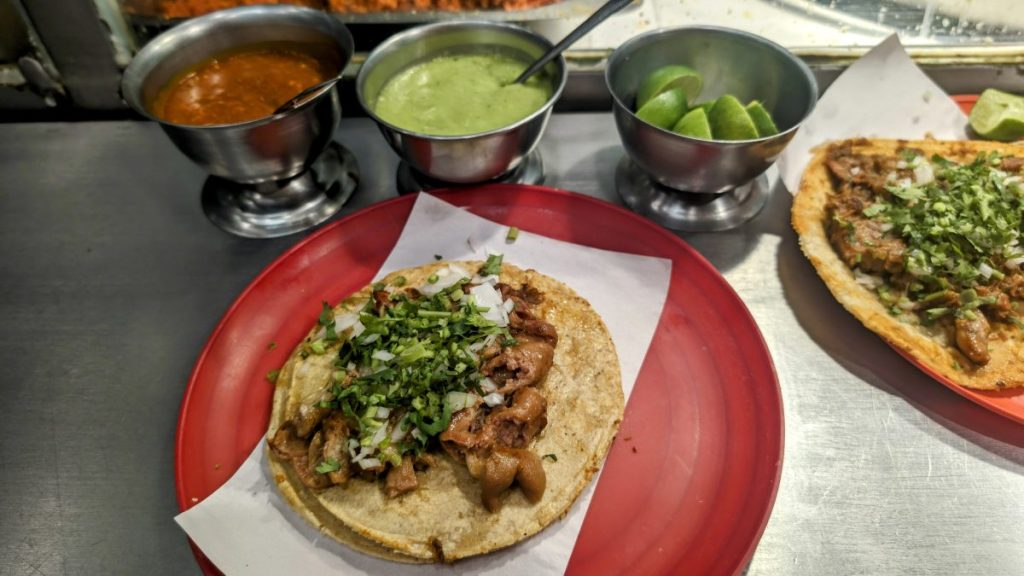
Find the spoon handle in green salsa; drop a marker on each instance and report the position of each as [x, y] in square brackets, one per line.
[610, 7]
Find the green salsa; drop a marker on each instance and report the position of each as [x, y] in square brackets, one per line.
[461, 94]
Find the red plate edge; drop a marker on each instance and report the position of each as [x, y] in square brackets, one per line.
[453, 197]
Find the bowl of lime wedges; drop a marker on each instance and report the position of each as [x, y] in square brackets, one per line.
[705, 109]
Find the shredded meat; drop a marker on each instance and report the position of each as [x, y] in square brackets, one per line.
[522, 320]
[401, 479]
[972, 338]
[524, 364]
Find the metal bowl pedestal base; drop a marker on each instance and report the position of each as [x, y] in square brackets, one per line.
[688, 211]
[282, 207]
[529, 171]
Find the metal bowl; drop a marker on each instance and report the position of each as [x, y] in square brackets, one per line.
[459, 159]
[731, 62]
[272, 148]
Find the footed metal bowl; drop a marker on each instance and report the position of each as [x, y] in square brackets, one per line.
[731, 62]
[459, 159]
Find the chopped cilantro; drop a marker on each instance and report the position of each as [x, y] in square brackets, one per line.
[271, 345]
[272, 376]
[328, 465]
[438, 257]
[492, 266]
[551, 457]
[513, 233]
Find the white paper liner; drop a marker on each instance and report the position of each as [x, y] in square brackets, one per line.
[882, 95]
[246, 528]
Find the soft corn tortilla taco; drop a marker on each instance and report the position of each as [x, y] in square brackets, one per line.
[919, 241]
[443, 518]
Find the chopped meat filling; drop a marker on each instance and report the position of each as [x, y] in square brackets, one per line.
[872, 246]
[490, 440]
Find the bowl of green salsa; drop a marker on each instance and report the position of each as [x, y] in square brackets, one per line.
[444, 98]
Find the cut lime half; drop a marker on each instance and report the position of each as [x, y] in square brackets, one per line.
[667, 78]
[998, 116]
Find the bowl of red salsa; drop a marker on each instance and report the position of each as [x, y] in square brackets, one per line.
[213, 84]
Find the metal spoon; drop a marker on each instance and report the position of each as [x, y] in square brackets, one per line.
[610, 7]
[307, 94]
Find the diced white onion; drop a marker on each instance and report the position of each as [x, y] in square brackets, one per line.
[508, 305]
[446, 278]
[901, 164]
[417, 434]
[369, 463]
[378, 436]
[382, 412]
[459, 400]
[371, 339]
[353, 446]
[886, 226]
[491, 279]
[383, 355]
[923, 173]
[867, 280]
[985, 270]
[855, 170]
[906, 304]
[350, 366]
[494, 399]
[487, 297]
[488, 385]
[904, 183]
[397, 433]
[1015, 262]
[363, 453]
[357, 329]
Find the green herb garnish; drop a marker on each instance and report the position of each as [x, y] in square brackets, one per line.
[551, 457]
[513, 233]
[272, 376]
[409, 356]
[492, 266]
[328, 466]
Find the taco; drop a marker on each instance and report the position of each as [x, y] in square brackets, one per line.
[920, 240]
[446, 411]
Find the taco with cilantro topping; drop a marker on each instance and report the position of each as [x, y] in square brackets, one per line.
[921, 241]
[446, 411]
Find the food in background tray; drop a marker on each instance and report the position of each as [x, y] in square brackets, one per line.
[921, 242]
[188, 8]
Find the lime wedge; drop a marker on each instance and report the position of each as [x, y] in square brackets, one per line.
[694, 124]
[664, 109]
[998, 116]
[666, 78]
[706, 106]
[729, 120]
[762, 120]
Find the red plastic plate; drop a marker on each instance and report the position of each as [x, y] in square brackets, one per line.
[691, 478]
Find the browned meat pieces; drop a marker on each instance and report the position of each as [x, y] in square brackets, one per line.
[972, 338]
[287, 446]
[335, 447]
[307, 419]
[401, 479]
[871, 171]
[524, 364]
[1012, 164]
[522, 320]
[514, 426]
[864, 243]
[505, 466]
[463, 432]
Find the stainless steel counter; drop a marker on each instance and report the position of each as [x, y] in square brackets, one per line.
[111, 279]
